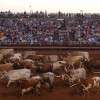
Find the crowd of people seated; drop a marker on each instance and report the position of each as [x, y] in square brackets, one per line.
[84, 30]
[23, 30]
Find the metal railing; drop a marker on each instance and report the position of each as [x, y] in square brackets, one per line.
[58, 43]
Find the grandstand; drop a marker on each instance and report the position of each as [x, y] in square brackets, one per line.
[64, 31]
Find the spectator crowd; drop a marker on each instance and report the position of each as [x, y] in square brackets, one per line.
[32, 30]
[23, 31]
[84, 30]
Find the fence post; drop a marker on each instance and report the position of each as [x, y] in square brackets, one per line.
[86, 46]
[69, 45]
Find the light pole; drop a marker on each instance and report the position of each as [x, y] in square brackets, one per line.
[30, 8]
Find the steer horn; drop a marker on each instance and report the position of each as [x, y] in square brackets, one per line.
[73, 85]
[65, 69]
[68, 76]
[57, 76]
[83, 86]
[97, 72]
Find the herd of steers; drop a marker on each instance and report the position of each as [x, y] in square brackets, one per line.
[30, 71]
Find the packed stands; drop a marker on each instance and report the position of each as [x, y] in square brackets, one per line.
[40, 28]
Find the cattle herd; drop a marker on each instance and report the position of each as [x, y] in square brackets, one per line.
[30, 71]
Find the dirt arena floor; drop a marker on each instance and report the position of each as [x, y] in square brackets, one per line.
[61, 89]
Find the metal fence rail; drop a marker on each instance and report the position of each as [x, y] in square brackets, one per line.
[72, 45]
[60, 44]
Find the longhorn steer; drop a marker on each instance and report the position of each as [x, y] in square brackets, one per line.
[80, 53]
[24, 64]
[74, 75]
[49, 78]
[6, 67]
[31, 83]
[59, 65]
[7, 53]
[86, 84]
[28, 53]
[71, 60]
[90, 65]
[15, 75]
[16, 56]
[44, 68]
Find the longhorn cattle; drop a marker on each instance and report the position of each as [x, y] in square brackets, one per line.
[6, 67]
[36, 57]
[27, 64]
[87, 84]
[7, 53]
[59, 65]
[77, 74]
[90, 65]
[30, 84]
[16, 56]
[49, 78]
[20, 64]
[50, 58]
[28, 53]
[44, 68]
[80, 53]
[15, 75]
[71, 60]
[49, 67]
[74, 75]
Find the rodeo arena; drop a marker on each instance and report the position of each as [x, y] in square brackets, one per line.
[52, 56]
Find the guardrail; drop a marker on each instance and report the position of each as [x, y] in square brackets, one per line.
[52, 44]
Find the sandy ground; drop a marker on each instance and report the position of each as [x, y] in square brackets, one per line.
[61, 89]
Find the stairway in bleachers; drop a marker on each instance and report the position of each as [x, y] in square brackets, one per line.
[71, 35]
